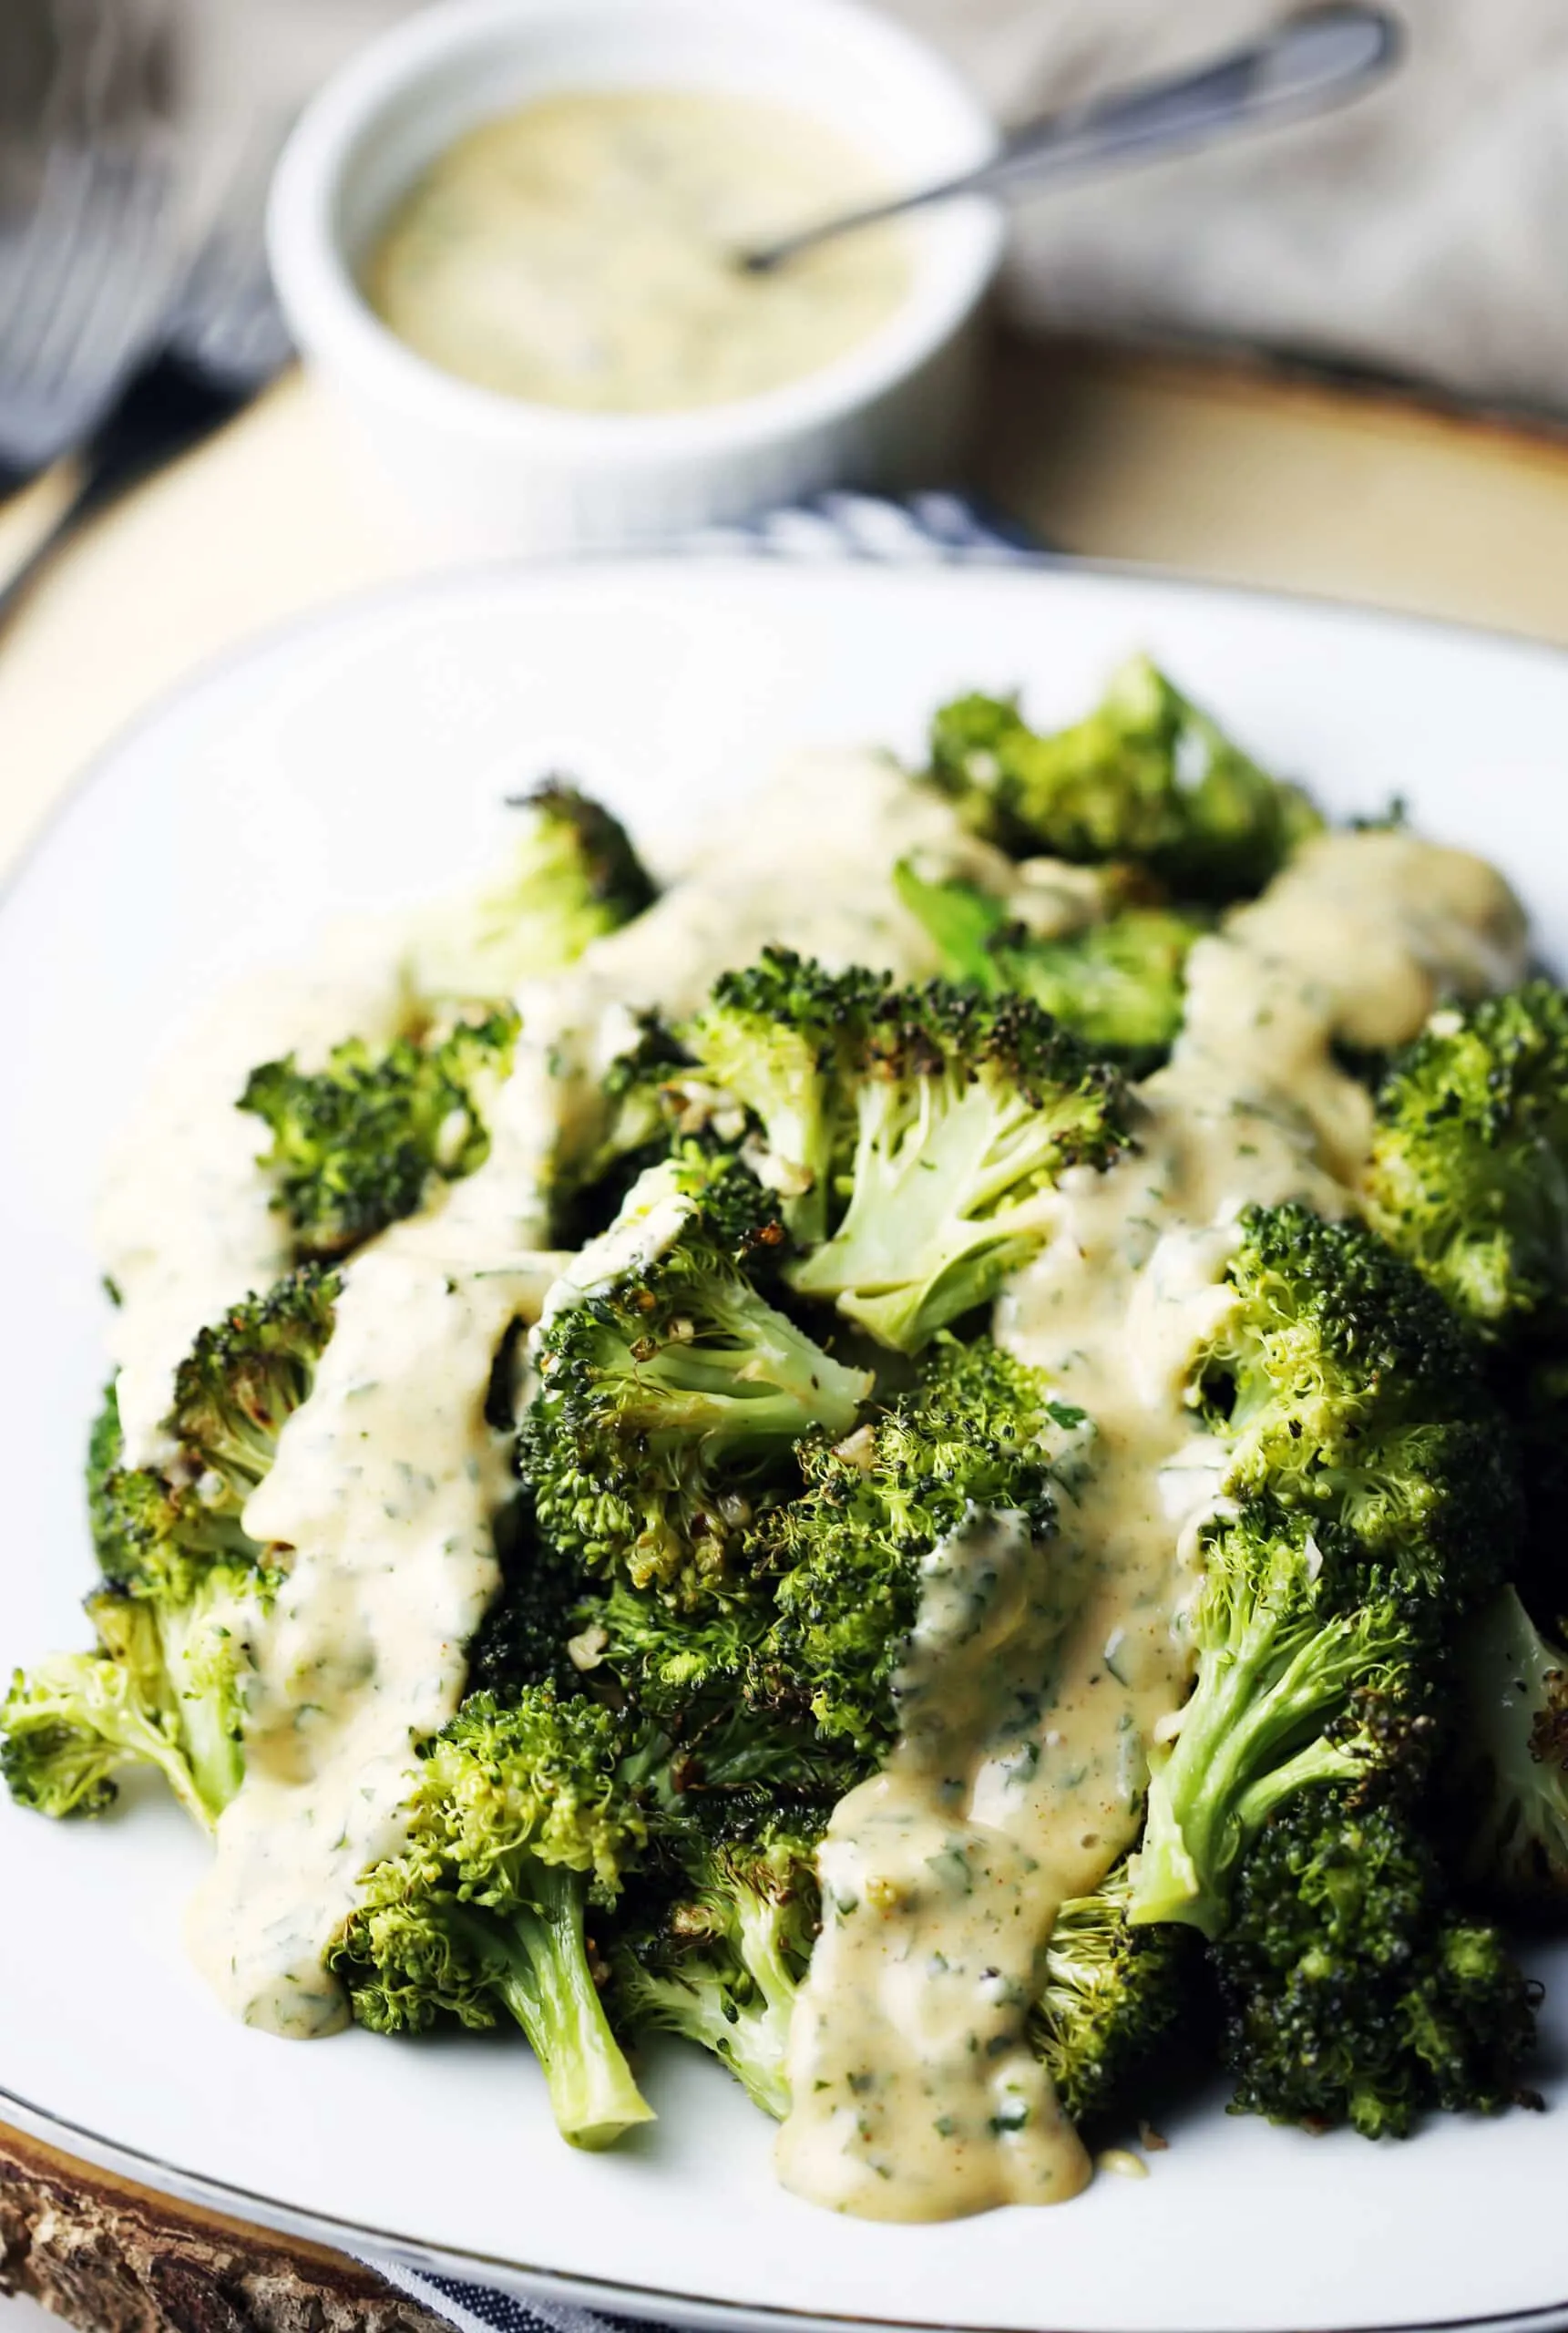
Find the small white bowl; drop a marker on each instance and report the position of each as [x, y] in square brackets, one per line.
[483, 472]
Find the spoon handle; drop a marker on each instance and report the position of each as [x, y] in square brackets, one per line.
[1309, 63]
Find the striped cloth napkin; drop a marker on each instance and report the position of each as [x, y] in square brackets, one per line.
[932, 528]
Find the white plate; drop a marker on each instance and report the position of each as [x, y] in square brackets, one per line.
[349, 762]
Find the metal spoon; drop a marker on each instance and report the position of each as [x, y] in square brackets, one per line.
[1310, 62]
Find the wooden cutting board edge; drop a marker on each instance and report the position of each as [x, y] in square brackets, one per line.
[111, 2254]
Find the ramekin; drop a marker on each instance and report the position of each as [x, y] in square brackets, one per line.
[480, 472]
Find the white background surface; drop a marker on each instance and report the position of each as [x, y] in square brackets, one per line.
[357, 763]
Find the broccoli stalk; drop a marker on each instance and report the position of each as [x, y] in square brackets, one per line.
[1354, 1991]
[722, 1964]
[1273, 1712]
[520, 1817]
[963, 1110]
[1512, 1755]
[357, 1146]
[1118, 983]
[671, 1394]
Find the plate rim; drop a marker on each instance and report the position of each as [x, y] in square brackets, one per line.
[602, 2295]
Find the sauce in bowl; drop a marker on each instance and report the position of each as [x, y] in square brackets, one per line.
[579, 253]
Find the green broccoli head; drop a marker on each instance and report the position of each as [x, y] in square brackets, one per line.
[718, 1954]
[1469, 1173]
[571, 876]
[520, 1817]
[1146, 776]
[1510, 1752]
[1354, 1991]
[1116, 2001]
[76, 1719]
[1346, 1391]
[959, 1113]
[1298, 1684]
[1117, 983]
[976, 1437]
[244, 1378]
[358, 1144]
[187, 1587]
[1374, 1502]
[671, 1394]
[772, 1036]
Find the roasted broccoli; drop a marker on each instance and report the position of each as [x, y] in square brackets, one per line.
[670, 1395]
[186, 1586]
[1469, 1173]
[1117, 983]
[1372, 1502]
[1353, 1989]
[1146, 776]
[521, 1817]
[781, 1038]
[979, 1435]
[960, 1112]
[75, 1719]
[358, 1144]
[1510, 1751]
[572, 877]
[1116, 2000]
[719, 1953]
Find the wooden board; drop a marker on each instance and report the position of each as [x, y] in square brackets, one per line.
[117, 2258]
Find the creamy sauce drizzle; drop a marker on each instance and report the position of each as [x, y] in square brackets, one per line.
[387, 1479]
[580, 253]
[915, 2096]
[186, 1224]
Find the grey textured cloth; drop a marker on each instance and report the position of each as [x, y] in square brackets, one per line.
[1421, 232]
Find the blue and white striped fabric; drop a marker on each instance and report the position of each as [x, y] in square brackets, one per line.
[925, 530]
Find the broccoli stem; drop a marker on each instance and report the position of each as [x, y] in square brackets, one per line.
[1239, 1753]
[542, 1974]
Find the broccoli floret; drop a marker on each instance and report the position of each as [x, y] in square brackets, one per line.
[1299, 1683]
[524, 1639]
[572, 875]
[720, 1956]
[1512, 1750]
[670, 1395]
[1118, 983]
[1469, 1173]
[73, 1721]
[1374, 1502]
[976, 1437]
[186, 1586]
[1354, 1992]
[244, 1378]
[736, 1722]
[1116, 2000]
[1146, 776]
[1346, 1389]
[356, 1146]
[961, 1112]
[772, 1036]
[519, 1819]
